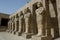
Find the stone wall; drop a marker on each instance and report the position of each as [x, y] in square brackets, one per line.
[37, 19]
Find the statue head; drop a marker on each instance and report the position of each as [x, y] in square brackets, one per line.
[39, 4]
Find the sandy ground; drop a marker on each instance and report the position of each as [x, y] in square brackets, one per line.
[8, 36]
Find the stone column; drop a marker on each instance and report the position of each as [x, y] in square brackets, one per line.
[41, 19]
[33, 26]
[39, 24]
[20, 25]
[26, 21]
[15, 25]
[26, 16]
[10, 26]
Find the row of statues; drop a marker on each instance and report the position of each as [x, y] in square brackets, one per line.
[37, 23]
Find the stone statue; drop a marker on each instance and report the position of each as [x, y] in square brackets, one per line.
[40, 14]
[26, 16]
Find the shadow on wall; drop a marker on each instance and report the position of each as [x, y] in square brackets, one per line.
[53, 20]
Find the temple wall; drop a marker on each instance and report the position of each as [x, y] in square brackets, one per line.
[29, 18]
[58, 8]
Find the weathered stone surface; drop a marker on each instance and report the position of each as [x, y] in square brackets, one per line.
[40, 18]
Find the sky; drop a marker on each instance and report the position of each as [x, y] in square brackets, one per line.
[11, 6]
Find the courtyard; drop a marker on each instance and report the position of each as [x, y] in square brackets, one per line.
[9, 36]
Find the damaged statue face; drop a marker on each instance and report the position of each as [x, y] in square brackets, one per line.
[39, 4]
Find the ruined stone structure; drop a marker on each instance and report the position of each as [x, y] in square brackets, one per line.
[3, 21]
[37, 20]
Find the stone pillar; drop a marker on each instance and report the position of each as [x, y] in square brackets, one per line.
[34, 21]
[26, 16]
[28, 33]
[20, 25]
[40, 18]
[16, 23]
[39, 24]
[10, 26]
[41, 21]
[13, 25]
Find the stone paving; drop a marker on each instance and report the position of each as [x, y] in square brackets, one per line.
[8, 36]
